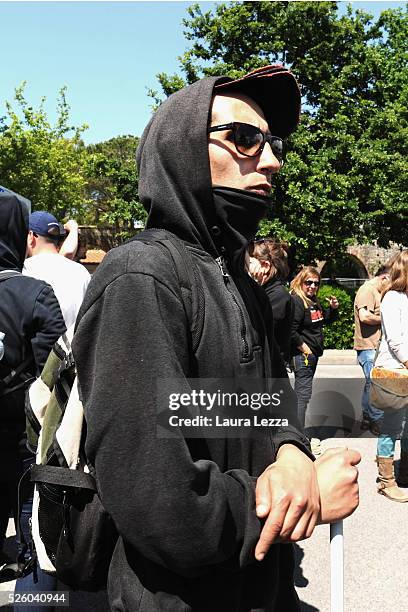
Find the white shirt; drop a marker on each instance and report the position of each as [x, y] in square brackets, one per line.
[393, 349]
[68, 279]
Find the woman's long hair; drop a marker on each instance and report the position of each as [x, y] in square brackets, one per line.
[398, 273]
[297, 283]
[275, 252]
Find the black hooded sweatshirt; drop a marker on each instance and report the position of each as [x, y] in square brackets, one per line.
[30, 318]
[184, 508]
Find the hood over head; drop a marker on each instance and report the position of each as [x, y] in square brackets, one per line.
[14, 212]
[174, 169]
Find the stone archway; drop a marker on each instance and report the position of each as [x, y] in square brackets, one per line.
[346, 266]
[347, 270]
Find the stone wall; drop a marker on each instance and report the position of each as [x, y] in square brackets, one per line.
[372, 257]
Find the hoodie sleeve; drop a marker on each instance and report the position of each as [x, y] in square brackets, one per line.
[297, 321]
[330, 315]
[48, 325]
[185, 515]
[392, 318]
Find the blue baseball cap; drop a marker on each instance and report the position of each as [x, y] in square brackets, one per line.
[45, 224]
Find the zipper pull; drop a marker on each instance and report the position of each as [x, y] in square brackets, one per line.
[221, 264]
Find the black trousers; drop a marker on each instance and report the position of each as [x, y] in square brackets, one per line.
[304, 373]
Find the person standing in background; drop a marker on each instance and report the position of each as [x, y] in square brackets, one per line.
[69, 279]
[268, 265]
[307, 336]
[367, 332]
[393, 354]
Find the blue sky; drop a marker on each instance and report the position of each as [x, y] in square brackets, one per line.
[106, 53]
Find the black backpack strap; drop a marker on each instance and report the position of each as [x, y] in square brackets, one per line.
[190, 286]
[18, 376]
[63, 477]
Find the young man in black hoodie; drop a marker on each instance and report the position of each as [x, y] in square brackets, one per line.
[199, 518]
[31, 320]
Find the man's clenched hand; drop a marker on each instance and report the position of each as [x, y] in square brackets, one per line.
[338, 483]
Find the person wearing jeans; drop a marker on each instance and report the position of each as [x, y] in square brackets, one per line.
[393, 355]
[371, 414]
[367, 331]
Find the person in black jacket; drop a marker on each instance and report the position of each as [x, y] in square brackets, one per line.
[198, 515]
[307, 333]
[31, 321]
[268, 265]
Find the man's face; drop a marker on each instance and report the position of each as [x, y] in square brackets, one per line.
[230, 168]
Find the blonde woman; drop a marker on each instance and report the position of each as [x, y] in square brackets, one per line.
[307, 333]
[393, 353]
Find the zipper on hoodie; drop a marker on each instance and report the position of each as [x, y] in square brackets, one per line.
[222, 266]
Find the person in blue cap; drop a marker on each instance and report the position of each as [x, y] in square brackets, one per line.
[69, 279]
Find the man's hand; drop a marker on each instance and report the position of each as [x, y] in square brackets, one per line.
[71, 225]
[287, 495]
[338, 483]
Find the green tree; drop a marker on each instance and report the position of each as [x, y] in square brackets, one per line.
[340, 333]
[112, 183]
[44, 162]
[345, 177]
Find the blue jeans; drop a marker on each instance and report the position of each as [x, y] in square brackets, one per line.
[391, 428]
[304, 383]
[366, 360]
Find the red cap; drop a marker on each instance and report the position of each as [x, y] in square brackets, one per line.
[275, 90]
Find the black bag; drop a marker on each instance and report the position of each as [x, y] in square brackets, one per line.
[73, 534]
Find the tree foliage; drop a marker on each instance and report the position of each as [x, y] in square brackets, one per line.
[112, 183]
[51, 166]
[340, 333]
[44, 162]
[345, 177]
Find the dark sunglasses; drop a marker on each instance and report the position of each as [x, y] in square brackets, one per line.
[309, 283]
[249, 140]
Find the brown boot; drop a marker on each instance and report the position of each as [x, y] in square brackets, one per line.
[403, 470]
[386, 480]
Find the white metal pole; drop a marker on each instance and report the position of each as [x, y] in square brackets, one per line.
[336, 567]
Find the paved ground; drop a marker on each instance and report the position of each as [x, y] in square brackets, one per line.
[375, 537]
[375, 549]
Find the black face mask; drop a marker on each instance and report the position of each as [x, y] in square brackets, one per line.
[238, 215]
